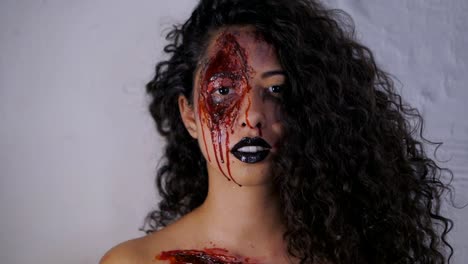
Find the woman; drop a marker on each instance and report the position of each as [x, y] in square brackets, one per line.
[285, 144]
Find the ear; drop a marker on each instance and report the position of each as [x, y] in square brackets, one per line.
[187, 114]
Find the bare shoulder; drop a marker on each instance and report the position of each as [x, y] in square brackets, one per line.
[126, 252]
[136, 251]
[144, 249]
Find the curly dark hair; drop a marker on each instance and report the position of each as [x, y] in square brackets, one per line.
[354, 179]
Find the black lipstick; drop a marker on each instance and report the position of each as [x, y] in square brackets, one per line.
[251, 150]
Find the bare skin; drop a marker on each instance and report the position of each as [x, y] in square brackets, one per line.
[244, 219]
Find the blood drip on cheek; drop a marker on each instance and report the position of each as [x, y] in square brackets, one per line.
[206, 256]
[220, 117]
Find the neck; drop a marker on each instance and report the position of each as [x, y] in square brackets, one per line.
[250, 214]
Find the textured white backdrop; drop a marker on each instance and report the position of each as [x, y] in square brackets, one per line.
[78, 149]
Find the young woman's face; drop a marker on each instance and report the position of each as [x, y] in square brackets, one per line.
[237, 97]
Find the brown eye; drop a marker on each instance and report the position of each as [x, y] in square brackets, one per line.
[222, 94]
[276, 89]
[223, 90]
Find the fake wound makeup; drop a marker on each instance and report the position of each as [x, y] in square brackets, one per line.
[223, 86]
[206, 256]
[224, 83]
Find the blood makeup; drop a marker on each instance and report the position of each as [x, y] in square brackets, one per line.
[225, 97]
[224, 84]
[209, 255]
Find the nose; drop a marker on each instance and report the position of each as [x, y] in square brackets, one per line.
[252, 114]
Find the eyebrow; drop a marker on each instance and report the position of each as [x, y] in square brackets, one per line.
[271, 73]
[222, 74]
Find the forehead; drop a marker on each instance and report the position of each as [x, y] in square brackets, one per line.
[259, 55]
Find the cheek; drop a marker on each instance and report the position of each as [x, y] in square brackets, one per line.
[274, 111]
[278, 129]
[214, 123]
[223, 111]
[276, 119]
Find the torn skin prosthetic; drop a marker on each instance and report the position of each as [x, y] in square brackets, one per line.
[223, 86]
[206, 256]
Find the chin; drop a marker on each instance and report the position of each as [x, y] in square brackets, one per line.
[251, 174]
[242, 174]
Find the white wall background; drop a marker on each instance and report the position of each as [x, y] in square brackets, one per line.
[78, 149]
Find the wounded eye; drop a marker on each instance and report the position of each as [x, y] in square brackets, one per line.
[223, 90]
[221, 85]
[223, 94]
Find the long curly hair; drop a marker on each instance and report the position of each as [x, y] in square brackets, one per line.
[353, 179]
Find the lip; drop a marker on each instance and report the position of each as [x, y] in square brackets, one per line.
[251, 150]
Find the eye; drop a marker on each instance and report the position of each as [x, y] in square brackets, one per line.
[223, 94]
[276, 90]
[221, 86]
[223, 90]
